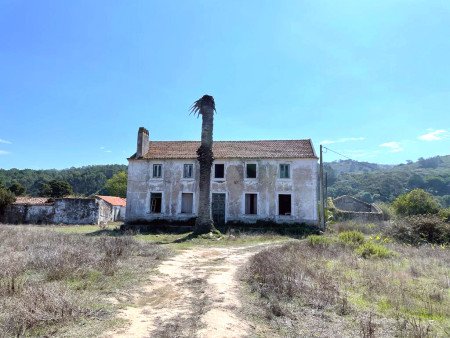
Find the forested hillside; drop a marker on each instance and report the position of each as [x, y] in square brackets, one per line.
[84, 181]
[368, 181]
[372, 182]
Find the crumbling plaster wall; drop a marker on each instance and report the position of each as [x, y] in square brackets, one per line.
[61, 211]
[76, 211]
[302, 186]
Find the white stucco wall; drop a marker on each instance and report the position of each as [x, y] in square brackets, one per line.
[302, 186]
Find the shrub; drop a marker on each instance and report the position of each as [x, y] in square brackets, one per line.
[39, 305]
[445, 214]
[6, 197]
[421, 229]
[365, 228]
[351, 238]
[373, 250]
[416, 202]
[288, 271]
[17, 189]
[387, 211]
[318, 240]
[37, 266]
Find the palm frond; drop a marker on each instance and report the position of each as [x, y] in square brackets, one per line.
[205, 100]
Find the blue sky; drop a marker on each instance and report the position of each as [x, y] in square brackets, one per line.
[369, 79]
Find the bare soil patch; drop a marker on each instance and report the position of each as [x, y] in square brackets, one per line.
[194, 294]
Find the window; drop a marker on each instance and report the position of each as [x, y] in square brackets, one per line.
[284, 204]
[188, 171]
[157, 170]
[251, 204]
[285, 170]
[251, 170]
[155, 202]
[187, 199]
[219, 171]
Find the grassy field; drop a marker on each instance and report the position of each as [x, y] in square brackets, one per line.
[73, 280]
[347, 283]
[61, 284]
[174, 241]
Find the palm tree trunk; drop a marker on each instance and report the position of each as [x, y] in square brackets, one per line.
[204, 222]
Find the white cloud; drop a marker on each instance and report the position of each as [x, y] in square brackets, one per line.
[343, 140]
[434, 135]
[3, 152]
[5, 141]
[394, 147]
[105, 150]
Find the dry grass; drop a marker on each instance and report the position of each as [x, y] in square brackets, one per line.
[327, 288]
[48, 279]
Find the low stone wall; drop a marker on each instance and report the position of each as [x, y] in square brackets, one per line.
[350, 208]
[60, 211]
[76, 211]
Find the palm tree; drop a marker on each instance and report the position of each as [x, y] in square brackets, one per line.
[206, 107]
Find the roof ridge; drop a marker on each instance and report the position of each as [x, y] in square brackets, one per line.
[278, 140]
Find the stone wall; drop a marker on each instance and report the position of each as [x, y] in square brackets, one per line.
[347, 207]
[61, 211]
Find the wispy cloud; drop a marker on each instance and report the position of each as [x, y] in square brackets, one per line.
[3, 152]
[343, 140]
[434, 135]
[5, 141]
[105, 150]
[394, 147]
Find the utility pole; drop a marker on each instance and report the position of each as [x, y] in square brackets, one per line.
[322, 202]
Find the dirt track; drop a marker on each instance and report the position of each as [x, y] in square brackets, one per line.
[195, 294]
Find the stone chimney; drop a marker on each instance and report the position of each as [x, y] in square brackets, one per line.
[142, 142]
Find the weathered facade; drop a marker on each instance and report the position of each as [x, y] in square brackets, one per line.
[251, 180]
[30, 210]
[117, 208]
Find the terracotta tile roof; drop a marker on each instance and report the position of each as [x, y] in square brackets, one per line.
[32, 200]
[113, 200]
[232, 149]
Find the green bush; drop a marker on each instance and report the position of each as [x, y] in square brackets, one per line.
[444, 214]
[420, 229]
[373, 250]
[6, 197]
[359, 226]
[416, 202]
[351, 238]
[388, 213]
[317, 240]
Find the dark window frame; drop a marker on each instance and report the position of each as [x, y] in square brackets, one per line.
[252, 204]
[215, 170]
[188, 165]
[155, 202]
[285, 169]
[284, 209]
[247, 170]
[155, 173]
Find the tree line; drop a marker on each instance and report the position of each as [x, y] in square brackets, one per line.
[84, 181]
[384, 183]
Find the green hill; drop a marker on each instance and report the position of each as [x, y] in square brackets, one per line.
[84, 181]
[382, 183]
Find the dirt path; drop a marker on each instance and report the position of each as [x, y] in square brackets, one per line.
[195, 294]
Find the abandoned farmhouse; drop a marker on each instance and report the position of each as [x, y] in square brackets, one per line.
[250, 181]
